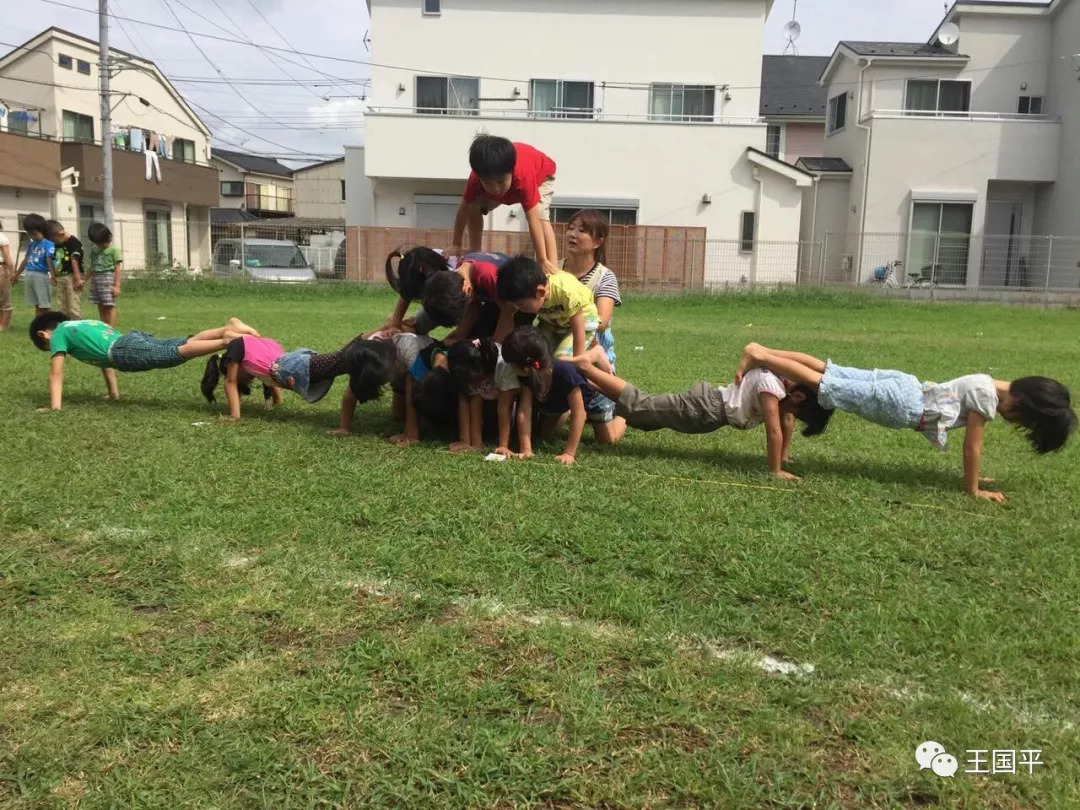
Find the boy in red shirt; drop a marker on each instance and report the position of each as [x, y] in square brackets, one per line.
[505, 173]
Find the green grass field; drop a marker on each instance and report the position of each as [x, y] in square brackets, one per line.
[224, 615]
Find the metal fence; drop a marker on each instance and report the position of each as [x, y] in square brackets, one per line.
[645, 258]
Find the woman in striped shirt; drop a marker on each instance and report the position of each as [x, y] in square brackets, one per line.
[586, 237]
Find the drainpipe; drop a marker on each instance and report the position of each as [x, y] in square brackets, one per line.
[868, 128]
[813, 219]
[758, 194]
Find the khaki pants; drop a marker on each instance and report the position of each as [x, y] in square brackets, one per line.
[699, 410]
[68, 299]
[5, 289]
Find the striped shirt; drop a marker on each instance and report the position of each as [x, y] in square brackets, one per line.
[603, 283]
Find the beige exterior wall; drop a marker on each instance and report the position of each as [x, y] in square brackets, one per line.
[803, 140]
[318, 191]
[228, 174]
[14, 205]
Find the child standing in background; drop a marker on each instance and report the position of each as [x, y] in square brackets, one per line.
[106, 266]
[69, 280]
[506, 173]
[7, 267]
[38, 264]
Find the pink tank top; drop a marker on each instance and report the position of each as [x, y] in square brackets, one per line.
[259, 355]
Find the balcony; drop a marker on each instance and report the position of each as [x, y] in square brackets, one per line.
[968, 148]
[269, 204]
[181, 182]
[29, 162]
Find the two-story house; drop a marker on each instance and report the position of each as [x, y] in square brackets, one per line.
[650, 110]
[320, 190]
[259, 185]
[51, 156]
[957, 152]
[793, 106]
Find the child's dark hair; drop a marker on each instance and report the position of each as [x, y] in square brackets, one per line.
[811, 412]
[45, 322]
[217, 366]
[1043, 410]
[518, 279]
[99, 234]
[435, 397]
[52, 228]
[492, 156]
[471, 361]
[526, 348]
[370, 365]
[34, 223]
[444, 299]
[414, 268]
[595, 225]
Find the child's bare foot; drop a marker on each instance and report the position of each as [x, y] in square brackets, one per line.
[110, 397]
[404, 440]
[238, 326]
[462, 447]
[339, 432]
[752, 356]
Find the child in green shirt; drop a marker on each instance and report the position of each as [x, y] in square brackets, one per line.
[99, 344]
[106, 264]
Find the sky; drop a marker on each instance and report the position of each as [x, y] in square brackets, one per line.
[306, 108]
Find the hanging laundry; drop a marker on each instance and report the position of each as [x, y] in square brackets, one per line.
[163, 146]
[152, 161]
[136, 144]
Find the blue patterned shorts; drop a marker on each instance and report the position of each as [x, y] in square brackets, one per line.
[141, 351]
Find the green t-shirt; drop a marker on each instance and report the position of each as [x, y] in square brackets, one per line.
[88, 341]
[105, 261]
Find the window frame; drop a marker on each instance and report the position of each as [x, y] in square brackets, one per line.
[425, 12]
[233, 184]
[747, 244]
[78, 116]
[79, 63]
[1030, 102]
[151, 214]
[831, 115]
[561, 214]
[779, 128]
[175, 151]
[682, 117]
[60, 59]
[937, 111]
[560, 111]
[941, 239]
[342, 189]
[447, 110]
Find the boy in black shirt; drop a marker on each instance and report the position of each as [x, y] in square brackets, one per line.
[69, 279]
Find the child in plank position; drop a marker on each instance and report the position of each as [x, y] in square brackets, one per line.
[1040, 406]
[99, 344]
[424, 274]
[507, 173]
[368, 365]
[760, 396]
[560, 390]
[563, 305]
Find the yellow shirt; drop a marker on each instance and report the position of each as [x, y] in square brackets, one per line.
[566, 298]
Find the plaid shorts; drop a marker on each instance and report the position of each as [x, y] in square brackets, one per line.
[141, 351]
[101, 285]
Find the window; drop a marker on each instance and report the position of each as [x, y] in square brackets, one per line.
[550, 98]
[343, 191]
[158, 239]
[232, 188]
[837, 113]
[432, 7]
[78, 127]
[183, 150]
[615, 216]
[938, 96]
[940, 241]
[84, 67]
[773, 139]
[746, 231]
[19, 122]
[447, 95]
[64, 61]
[1030, 105]
[681, 102]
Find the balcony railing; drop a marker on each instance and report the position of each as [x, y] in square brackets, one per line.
[585, 116]
[964, 116]
[269, 202]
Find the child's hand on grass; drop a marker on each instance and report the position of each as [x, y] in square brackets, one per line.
[47, 410]
[462, 447]
[996, 497]
[339, 432]
[505, 451]
[565, 458]
[404, 440]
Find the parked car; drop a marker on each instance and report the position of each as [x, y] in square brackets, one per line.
[271, 260]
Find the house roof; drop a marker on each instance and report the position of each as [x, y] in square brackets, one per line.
[823, 164]
[319, 165]
[912, 50]
[32, 45]
[789, 86]
[800, 177]
[253, 163]
[231, 216]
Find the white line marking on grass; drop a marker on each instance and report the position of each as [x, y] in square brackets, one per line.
[769, 664]
[238, 562]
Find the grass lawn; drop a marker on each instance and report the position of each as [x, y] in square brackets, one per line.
[196, 613]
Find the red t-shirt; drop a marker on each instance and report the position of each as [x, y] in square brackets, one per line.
[532, 168]
[485, 271]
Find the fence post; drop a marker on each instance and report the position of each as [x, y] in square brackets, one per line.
[693, 256]
[1049, 267]
[824, 253]
[243, 251]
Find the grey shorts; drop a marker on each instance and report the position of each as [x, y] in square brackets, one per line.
[38, 289]
[699, 410]
[101, 285]
[141, 351]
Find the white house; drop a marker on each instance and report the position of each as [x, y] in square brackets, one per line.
[957, 156]
[650, 110]
[260, 185]
[50, 149]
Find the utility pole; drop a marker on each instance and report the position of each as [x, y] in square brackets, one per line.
[106, 111]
